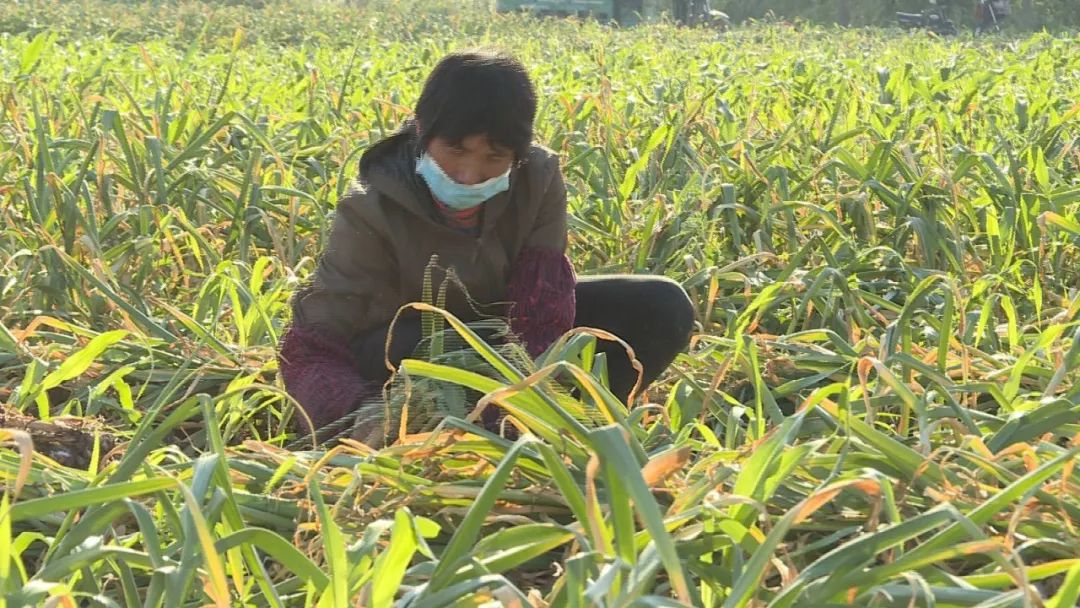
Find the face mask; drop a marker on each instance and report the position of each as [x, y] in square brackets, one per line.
[454, 195]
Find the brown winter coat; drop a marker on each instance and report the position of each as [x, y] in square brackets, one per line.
[387, 228]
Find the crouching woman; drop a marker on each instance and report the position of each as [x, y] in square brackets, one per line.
[462, 179]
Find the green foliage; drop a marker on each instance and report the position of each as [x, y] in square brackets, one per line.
[879, 232]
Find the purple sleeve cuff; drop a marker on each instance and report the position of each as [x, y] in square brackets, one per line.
[542, 289]
[319, 372]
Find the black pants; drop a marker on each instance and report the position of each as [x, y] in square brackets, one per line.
[651, 314]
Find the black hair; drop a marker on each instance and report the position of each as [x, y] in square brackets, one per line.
[478, 92]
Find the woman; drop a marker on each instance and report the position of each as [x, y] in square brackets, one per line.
[462, 180]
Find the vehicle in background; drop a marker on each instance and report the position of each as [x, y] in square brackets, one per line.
[931, 18]
[624, 12]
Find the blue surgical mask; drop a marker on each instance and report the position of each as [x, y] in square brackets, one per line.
[454, 195]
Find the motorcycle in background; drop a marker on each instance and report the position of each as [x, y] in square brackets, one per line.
[932, 18]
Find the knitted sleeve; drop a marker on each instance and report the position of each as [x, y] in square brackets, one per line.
[541, 288]
[319, 372]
